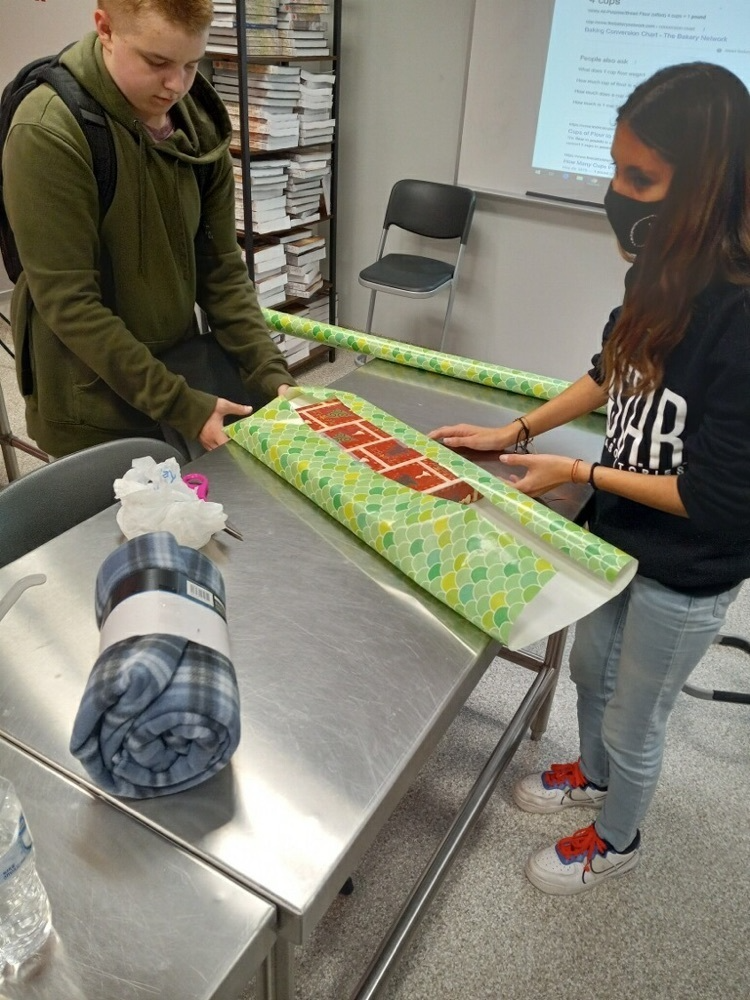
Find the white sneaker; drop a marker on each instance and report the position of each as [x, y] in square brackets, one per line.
[563, 786]
[578, 863]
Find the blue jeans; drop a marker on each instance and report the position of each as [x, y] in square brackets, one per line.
[629, 661]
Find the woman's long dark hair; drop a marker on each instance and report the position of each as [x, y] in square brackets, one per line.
[696, 116]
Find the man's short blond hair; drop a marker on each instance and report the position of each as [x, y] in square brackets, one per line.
[193, 16]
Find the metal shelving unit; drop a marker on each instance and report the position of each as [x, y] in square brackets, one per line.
[246, 155]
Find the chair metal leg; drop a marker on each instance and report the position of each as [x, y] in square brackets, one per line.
[709, 694]
[370, 311]
[448, 312]
[735, 641]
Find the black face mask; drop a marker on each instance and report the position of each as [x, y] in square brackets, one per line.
[630, 219]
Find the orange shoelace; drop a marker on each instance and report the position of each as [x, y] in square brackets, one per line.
[581, 846]
[562, 775]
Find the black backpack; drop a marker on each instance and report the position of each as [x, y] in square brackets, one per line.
[89, 115]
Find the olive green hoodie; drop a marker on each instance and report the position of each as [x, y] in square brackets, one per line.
[99, 301]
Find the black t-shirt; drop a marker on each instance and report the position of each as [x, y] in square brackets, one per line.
[695, 426]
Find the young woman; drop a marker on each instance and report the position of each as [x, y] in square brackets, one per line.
[673, 484]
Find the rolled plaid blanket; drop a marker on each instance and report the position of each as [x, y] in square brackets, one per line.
[160, 712]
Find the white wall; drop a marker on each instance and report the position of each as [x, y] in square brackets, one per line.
[29, 29]
[538, 282]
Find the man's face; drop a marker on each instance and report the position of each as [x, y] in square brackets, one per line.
[152, 61]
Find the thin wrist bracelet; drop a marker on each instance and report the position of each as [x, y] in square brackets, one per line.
[574, 469]
[528, 437]
[522, 422]
[524, 437]
[594, 466]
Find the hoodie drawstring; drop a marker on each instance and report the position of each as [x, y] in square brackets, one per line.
[182, 249]
[180, 229]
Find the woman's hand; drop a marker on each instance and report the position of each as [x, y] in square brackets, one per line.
[540, 473]
[212, 432]
[581, 397]
[478, 438]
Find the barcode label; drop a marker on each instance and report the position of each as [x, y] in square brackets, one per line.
[199, 593]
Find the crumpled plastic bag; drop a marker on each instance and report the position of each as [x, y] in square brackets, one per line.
[153, 497]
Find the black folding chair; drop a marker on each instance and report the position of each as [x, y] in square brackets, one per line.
[428, 209]
[709, 694]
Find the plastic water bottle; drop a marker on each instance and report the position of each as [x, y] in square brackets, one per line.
[25, 919]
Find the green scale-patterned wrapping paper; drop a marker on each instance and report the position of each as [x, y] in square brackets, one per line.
[452, 551]
[452, 365]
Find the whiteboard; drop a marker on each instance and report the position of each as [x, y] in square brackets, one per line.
[503, 91]
[545, 80]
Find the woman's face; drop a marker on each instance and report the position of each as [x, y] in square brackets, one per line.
[639, 171]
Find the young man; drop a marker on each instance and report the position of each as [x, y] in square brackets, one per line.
[100, 299]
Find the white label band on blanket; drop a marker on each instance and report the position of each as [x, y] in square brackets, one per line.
[155, 612]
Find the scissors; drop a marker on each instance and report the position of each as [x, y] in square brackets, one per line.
[198, 483]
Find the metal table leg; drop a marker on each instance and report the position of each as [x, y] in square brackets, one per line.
[9, 442]
[407, 921]
[264, 981]
[283, 970]
[553, 654]
[6, 443]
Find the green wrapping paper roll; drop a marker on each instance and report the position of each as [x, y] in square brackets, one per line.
[509, 565]
[452, 365]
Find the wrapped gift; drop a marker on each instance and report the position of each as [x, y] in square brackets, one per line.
[509, 565]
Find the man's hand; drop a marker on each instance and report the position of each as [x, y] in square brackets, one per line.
[212, 432]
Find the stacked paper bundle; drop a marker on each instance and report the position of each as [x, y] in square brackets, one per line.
[268, 179]
[273, 94]
[309, 182]
[295, 349]
[261, 24]
[315, 105]
[317, 311]
[270, 274]
[303, 257]
[286, 30]
[302, 27]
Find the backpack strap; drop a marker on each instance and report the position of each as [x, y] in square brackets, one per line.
[90, 116]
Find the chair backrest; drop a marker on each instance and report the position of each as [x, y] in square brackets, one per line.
[44, 503]
[427, 208]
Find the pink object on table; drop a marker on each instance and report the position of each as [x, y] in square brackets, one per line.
[198, 483]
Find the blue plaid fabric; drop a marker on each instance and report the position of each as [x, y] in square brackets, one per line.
[159, 713]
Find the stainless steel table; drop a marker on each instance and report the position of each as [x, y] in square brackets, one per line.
[133, 916]
[349, 674]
